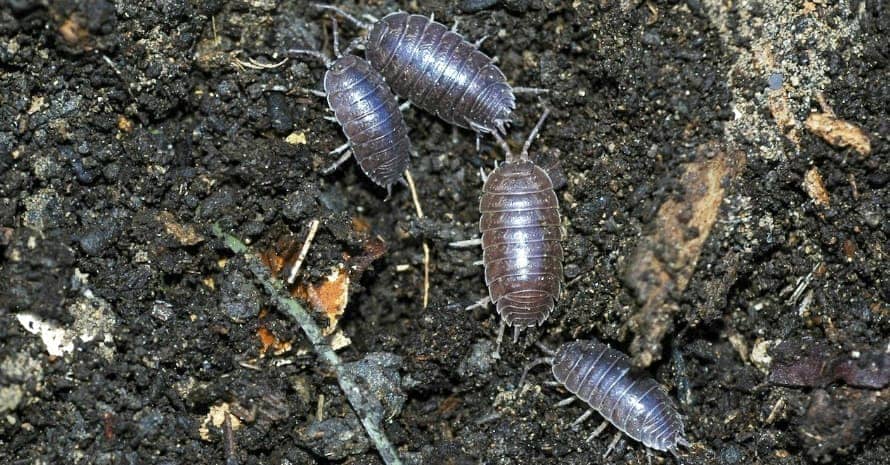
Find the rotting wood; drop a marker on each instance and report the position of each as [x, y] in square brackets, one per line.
[664, 261]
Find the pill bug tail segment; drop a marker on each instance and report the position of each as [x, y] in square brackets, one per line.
[359, 23]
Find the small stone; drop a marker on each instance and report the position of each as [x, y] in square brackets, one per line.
[378, 372]
[336, 438]
[730, 455]
[240, 298]
[473, 6]
[572, 270]
[480, 361]
[279, 112]
[775, 81]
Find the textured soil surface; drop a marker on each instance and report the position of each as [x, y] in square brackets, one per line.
[725, 222]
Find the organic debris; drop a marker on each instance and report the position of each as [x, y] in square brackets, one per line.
[328, 297]
[812, 363]
[217, 417]
[838, 133]
[270, 341]
[186, 235]
[664, 261]
[815, 187]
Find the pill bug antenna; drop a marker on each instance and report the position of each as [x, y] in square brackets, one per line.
[534, 363]
[312, 53]
[361, 24]
[510, 157]
[531, 137]
[336, 37]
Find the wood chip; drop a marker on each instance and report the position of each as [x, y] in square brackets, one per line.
[184, 234]
[815, 188]
[780, 108]
[838, 133]
[328, 297]
[296, 138]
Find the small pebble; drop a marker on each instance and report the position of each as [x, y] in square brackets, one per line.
[240, 299]
[730, 455]
[775, 81]
[572, 270]
[472, 6]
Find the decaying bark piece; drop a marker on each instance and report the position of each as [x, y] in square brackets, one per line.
[838, 133]
[815, 187]
[664, 261]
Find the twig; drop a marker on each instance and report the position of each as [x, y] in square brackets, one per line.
[319, 408]
[230, 440]
[313, 228]
[414, 194]
[426, 248]
[362, 404]
[240, 64]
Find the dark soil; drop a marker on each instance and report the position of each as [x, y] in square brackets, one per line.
[127, 132]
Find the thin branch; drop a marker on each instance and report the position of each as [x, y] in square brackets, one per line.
[313, 229]
[363, 404]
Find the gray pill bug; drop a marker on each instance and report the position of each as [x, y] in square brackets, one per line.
[439, 71]
[604, 378]
[521, 234]
[369, 115]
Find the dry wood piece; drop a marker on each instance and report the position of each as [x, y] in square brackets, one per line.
[815, 188]
[780, 108]
[664, 262]
[835, 131]
[184, 234]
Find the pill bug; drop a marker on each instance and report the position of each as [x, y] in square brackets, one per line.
[603, 378]
[369, 115]
[521, 235]
[438, 70]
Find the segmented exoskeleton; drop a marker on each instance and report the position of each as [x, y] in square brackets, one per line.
[438, 70]
[369, 115]
[521, 235]
[603, 378]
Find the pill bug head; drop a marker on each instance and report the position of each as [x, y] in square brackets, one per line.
[520, 176]
[567, 356]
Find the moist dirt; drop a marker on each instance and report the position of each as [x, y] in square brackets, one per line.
[132, 335]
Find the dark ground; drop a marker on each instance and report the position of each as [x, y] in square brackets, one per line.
[126, 132]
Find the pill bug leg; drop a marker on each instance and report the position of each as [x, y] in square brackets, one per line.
[612, 444]
[599, 430]
[530, 90]
[584, 416]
